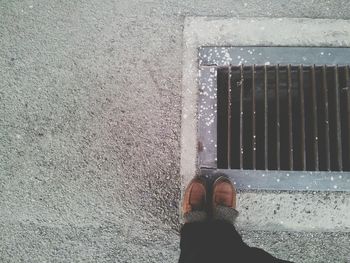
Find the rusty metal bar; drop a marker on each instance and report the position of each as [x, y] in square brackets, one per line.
[266, 135]
[278, 144]
[337, 105]
[314, 114]
[302, 117]
[290, 118]
[253, 118]
[241, 150]
[229, 119]
[326, 113]
[347, 79]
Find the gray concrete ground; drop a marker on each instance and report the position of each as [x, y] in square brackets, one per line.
[90, 105]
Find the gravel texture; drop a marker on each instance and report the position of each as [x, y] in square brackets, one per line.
[90, 106]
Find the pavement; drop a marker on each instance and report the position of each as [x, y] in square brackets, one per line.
[90, 120]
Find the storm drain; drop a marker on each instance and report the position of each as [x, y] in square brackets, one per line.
[276, 117]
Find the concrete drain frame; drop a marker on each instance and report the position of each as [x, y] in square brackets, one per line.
[201, 34]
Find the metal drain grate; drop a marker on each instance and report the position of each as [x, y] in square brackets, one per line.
[299, 136]
[283, 117]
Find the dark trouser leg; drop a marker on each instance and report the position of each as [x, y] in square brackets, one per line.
[193, 242]
[217, 241]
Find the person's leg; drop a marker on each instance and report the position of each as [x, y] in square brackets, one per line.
[228, 247]
[209, 241]
[227, 242]
[193, 242]
[218, 241]
[193, 232]
[259, 255]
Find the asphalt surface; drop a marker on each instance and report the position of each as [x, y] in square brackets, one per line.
[90, 106]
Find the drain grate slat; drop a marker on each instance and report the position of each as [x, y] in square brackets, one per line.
[283, 117]
[302, 117]
[241, 119]
[290, 116]
[314, 138]
[336, 91]
[266, 126]
[229, 117]
[278, 144]
[326, 114]
[253, 119]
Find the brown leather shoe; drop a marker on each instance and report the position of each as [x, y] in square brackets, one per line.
[195, 196]
[224, 194]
